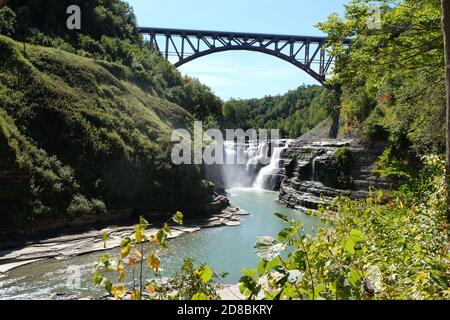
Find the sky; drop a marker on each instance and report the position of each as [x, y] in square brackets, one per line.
[241, 74]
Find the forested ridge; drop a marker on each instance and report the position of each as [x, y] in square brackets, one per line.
[392, 78]
[86, 117]
[293, 113]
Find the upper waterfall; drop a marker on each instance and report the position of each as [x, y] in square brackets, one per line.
[267, 177]
[251, 165]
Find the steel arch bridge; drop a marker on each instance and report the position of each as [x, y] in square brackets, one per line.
[305, 52]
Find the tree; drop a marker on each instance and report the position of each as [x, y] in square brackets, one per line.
[446, 33]
[7, 22]
[398, 67]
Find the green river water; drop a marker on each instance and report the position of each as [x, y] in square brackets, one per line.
[225, 249]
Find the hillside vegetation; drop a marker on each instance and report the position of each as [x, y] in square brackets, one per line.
[392, 77]
[294, 113]
[82, 138]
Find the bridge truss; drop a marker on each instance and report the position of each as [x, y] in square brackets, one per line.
[182, 46]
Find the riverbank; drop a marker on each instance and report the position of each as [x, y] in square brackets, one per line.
[16, 253]
[227, 249]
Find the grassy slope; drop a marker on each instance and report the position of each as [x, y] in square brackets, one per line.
[81, 132]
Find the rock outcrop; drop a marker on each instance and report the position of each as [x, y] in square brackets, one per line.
[314, 175]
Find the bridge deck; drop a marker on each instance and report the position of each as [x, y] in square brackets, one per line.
[308, 53]
[243, 35]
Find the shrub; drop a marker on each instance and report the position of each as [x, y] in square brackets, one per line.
[139, 257]
[377, 248]
[7, 22]
[189, 285]
[343, 160]
[374, 129]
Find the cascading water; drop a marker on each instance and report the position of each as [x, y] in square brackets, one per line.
[313, 169]
[250, 166]
[267, 177]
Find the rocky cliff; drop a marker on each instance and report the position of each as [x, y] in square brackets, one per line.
[317, 171]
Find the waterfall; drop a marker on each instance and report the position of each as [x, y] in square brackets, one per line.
[231, 171]
[256, 168]
[267, 177]
[313, 169]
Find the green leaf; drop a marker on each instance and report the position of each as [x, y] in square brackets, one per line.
[357, 236]
[126, 251]
[282, 217]
[261, 267]
[161, 236]
[200, 296]
[268, 248]
[349, 245]
[108, 286]
[274, 264]
[249, 272]
[138, 233]
[97, 279]
[288, 233]
[125, 242]
[142, 222]
[205, 273]
[248, 286]
[354, 276]
[167, 229]
[178, 218]
[318, 289]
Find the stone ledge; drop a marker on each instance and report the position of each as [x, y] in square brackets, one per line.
[15, 254]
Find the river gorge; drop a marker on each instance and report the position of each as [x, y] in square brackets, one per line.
[287, 176]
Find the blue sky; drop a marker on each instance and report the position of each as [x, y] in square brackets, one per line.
[241, 74]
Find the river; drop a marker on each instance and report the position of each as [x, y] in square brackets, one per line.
[225, 249]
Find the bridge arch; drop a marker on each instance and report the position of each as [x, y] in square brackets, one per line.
[281, 56]
[304, 52]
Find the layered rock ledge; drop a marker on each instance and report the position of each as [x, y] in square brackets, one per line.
[311, 177]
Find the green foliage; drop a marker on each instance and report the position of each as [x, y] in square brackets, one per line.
[378, 248]
[113, 18]
[194, 283]
[7, 22]
[79, 130]
[389, 165]
[355, 108]
[139, 256]
[392, 78]
[294, 113]
[342, 158]
[109, 32]
[80, 205]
